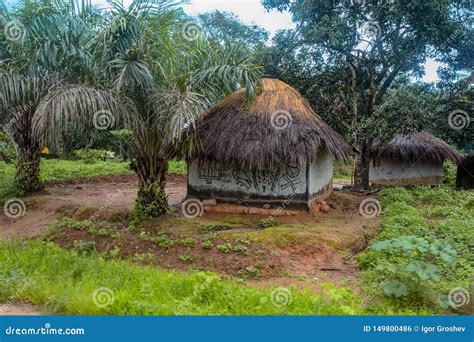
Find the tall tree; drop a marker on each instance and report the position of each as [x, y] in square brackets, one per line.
[226, 27]
[360, 48]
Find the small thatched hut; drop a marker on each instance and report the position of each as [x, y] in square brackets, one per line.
[274, 152]
[414, 158]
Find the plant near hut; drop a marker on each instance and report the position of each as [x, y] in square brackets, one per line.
[417, 260]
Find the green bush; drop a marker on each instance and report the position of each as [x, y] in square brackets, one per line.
[91, 156]
[422, 249]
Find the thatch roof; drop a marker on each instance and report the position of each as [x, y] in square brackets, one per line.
[244, 134]
[417, 146]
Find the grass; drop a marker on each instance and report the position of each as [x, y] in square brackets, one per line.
[440, 213]
[177, 167]
[65, 282]
[343, 169]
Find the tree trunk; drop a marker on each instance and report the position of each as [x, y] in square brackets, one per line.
[151, 198]
[28, 162]
[362, 165]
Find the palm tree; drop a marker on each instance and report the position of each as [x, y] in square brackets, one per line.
[165, 82]
[41, 51]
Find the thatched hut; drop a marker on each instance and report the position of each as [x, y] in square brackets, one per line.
[414, 158]
[271, 153]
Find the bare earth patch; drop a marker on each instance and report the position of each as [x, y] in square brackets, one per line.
[81, 197]
[19, 309]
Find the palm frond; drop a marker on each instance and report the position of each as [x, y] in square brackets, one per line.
[79, 105]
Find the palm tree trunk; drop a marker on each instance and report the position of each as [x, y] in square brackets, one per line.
[151, 198]
[28, 164]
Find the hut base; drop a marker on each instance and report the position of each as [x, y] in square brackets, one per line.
[428, 180]
[262, 206]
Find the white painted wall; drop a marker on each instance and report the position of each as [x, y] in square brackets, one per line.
[219, 179]
[321, 172]
[405, 172]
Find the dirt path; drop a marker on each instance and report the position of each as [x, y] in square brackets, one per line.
[20, 309]
[81, 197]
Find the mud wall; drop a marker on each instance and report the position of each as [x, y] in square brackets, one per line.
[320, 175]
[397, 172]
[214, 180]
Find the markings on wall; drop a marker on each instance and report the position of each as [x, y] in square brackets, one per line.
[265, 181]
[209, 173]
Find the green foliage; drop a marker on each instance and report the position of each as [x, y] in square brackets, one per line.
[416, 261]
[91, 156]
[449, 171]
[241, 249]
[157, 207]
[64, 282]
[421, 251]
[58, 169]
[185, 258]
[188, 242]
[178, 167]
[207, 244]
[7, 152]
[343, 168]
[84, 247]
[268, 222]
[225, 247]
[226, 27]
